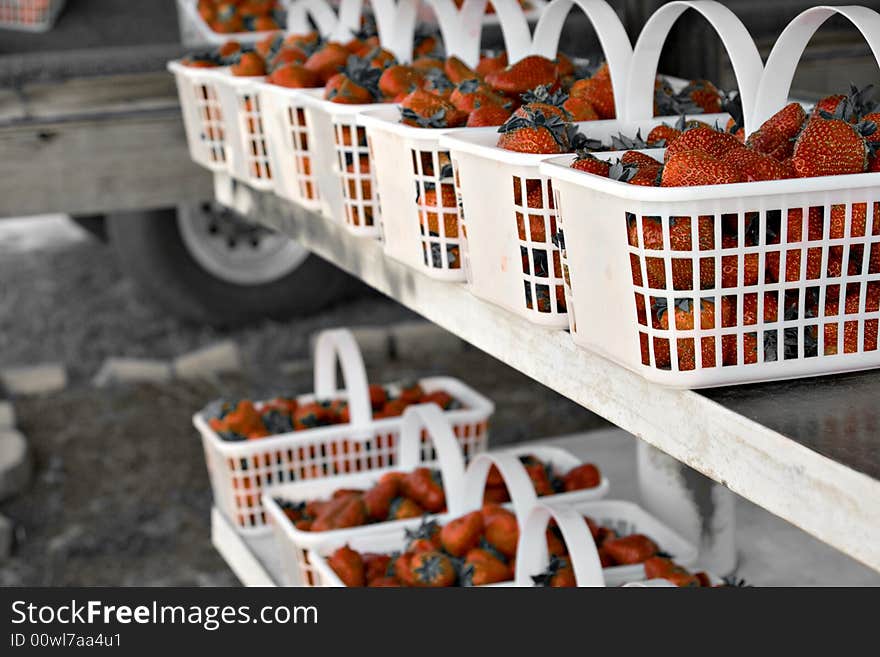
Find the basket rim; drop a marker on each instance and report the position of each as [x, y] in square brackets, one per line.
[478, 406]
[558, 167]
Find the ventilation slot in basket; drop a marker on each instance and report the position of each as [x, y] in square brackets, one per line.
[778, 282]
[256, 151]
[212, 135]
[358, 183]
[543, 285]
[302, 159]
[437, 202]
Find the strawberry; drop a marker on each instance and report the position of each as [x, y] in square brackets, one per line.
[703, 138]
[426, 44]
[754, 165]
[541, 99]
[591, 164]
[776, 135]
[644, 175]
[488, 115]
[287, 56]
[704, 94]
[294, 76]
[639, 159]
[730, 266]
[403, 507]
[341, 512]
[377, 500]
[524, 75]
[328, 60]
[426, 64]
[248, 64]
[830, 147]
[306, 42]
[432, 570]
[470, 94]
[269, 45]
[632, 549]
[690, 168]
[348, 566]
[484, 567]
[661, 135]
[425, 489]
[502, 533]
[582, 477]
[597, 91]
[457, 71]
[534, 133]
[375, 566]
[425, 538]
[664, 568]
[425, 110]
[380, 58]
[679, 240]
[829, 104]
[398, 81]
[580, 109]
[356, 84]
[559, 574]
[462, 534]
[490, 64]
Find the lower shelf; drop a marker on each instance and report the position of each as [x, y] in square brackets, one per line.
[253, 560]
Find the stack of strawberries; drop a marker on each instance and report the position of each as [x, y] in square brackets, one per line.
[245, 420]
[399, 495]
[480, 548]
[232, 16]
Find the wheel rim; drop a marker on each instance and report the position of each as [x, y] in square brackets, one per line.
[235, 251]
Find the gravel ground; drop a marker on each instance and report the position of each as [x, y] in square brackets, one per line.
[121, 495]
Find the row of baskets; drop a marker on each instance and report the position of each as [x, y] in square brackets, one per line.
[29, 15]
[276, 481]
[567, 250]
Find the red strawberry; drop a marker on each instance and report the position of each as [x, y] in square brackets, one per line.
[756, 166]
[534, 133]
[597, 91]
[488, 64]
[703, 94]
[679, 240]
[689, 168]
[580, 109]
[249, 64]
[829, 104]
[632, 549]
[640, 159]
[703, 138]
[397, 81]
[591, 164]
[830, 147]
[488, 115]
[662, 135]
[541, 99]
[426, 110]
[851, 328]
[294, 76]
[472, 93]
[524, 75]
[328, 60]
[457, 71]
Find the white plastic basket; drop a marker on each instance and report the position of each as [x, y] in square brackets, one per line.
[294, 544]
[623, 516]
[29, 15]
[509, 256]
[800, 323]
[204, 119]
[197, 31]
[240, 470]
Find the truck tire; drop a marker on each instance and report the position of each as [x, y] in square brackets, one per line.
[177, 255]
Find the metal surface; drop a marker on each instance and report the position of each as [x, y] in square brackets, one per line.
[753, 439]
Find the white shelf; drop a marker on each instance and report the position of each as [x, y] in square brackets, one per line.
[253, 560]
[805, 450]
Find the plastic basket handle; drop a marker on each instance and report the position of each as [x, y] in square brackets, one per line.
[340, 346]
[522, 492]
[789, 48]
[747, 65]
[461, 29]
[610, 31]
[531, 552]
[396, 25]
[330, 24]
[449, 456]
[514, 29]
